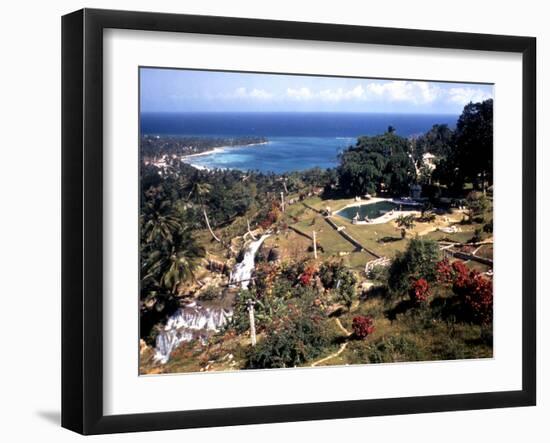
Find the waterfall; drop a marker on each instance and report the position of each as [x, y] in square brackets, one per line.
[196, 321]
[191, 322]
[243, 270]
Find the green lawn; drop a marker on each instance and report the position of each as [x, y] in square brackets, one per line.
[331, 241]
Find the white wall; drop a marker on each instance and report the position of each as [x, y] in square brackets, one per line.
[30, 217]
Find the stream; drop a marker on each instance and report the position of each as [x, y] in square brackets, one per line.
[198, 320]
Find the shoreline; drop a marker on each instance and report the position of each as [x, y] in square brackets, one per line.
[221, 149]
[215, 150]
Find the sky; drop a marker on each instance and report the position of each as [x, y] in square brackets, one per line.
[178, 90]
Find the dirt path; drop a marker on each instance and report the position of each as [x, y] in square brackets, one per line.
[341, 327]
[331, 356]
[340, 350]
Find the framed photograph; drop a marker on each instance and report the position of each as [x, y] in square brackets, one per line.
[269, 221]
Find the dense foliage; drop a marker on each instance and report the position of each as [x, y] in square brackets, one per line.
[417, 262]
[294, 337]
[152, 146]
[471, 158]
[335, 276]
[375, 164]
[390, 163]
[437, 141]
[476, 203]
[474, 291]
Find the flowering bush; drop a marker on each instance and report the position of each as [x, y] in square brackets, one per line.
[306, 277]
[362, 326]
[448, 273]
[444, 271]
[477, 293]
[419, 290]
[474, 290]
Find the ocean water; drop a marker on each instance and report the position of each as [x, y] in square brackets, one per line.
[279, 154]
[297, 141]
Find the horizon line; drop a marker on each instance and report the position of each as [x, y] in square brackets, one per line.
[298, 112]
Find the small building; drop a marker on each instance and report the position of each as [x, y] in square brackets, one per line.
[428, 160]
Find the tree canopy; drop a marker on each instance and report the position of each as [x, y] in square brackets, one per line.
[376, 163]
[471, 158]
[437, 141]
[418, 261]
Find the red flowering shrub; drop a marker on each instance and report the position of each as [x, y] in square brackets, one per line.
[449, 273]
[477, 293]
[474, 290]
[460, 273]
[419, 290]
[362, 326]
[444, 271]
[306, 277]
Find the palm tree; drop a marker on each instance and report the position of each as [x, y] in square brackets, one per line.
[158, 222]
[197, 193]
[405, 222]
[181, 266]
[177, 264]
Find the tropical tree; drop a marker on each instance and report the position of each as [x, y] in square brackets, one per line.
[158, 222]
[406, 223]
[167, 265]
[427, 212]
[377, 162]
[419, 260]
[198, 193]
[474, 143]
[471, 158]
[335, 276]
[169, 254]
[477, 204]
[437, 141]
[180, 265]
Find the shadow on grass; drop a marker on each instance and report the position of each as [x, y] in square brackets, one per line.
[379, 291]
[400, 308]
[341, 339]
[389, 239]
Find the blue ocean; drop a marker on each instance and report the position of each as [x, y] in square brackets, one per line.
[296, 141]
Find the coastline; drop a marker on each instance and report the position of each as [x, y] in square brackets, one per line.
[214, 150]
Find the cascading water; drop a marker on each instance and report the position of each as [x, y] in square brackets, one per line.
[191, 322]
[243, 271]
[196, 321]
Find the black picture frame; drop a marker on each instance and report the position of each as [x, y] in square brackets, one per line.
[82, 217]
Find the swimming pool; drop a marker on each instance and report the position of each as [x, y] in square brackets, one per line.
[374, 210]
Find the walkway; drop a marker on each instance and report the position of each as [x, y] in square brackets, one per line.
[342, 348]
